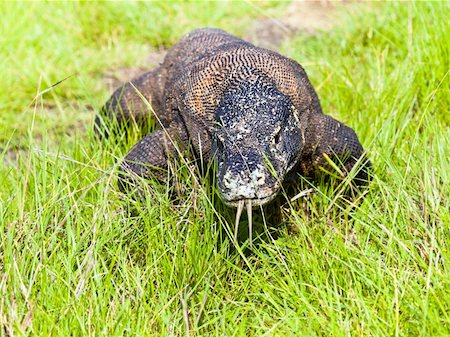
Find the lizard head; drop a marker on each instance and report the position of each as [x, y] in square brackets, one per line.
[256, 141]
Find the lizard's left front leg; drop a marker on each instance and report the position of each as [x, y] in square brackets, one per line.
[328, 139]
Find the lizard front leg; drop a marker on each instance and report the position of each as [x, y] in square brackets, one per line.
[328, 139]
[149, 158]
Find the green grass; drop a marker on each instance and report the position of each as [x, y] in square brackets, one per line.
[75, 261]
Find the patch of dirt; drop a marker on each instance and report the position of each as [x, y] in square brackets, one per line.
[300, 16]
[116, 77]
[12, 154]
[113, 78]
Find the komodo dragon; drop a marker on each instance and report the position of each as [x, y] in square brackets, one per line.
[250, 109]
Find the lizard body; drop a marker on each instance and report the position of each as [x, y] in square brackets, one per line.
[250, 109]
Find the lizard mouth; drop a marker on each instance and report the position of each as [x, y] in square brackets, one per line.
[260, 197]
[255, 202]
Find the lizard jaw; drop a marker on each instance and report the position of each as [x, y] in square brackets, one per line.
[256, 202]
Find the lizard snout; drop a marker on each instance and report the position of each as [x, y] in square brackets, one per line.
[246, 181]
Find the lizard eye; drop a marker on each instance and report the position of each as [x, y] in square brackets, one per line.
[276, 138]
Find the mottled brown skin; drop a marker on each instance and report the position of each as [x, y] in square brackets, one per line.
[235, 103]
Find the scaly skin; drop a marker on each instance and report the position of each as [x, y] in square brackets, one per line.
[250, 109]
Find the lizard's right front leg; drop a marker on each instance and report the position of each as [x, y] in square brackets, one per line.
[149, 157]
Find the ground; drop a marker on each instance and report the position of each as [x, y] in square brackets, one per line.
[78, 258]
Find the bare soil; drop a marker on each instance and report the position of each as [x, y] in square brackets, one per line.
[300, 16]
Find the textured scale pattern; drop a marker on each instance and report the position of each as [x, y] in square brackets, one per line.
[252, 110]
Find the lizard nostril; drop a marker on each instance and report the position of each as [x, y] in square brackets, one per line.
[226, 181]
[259, 179]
